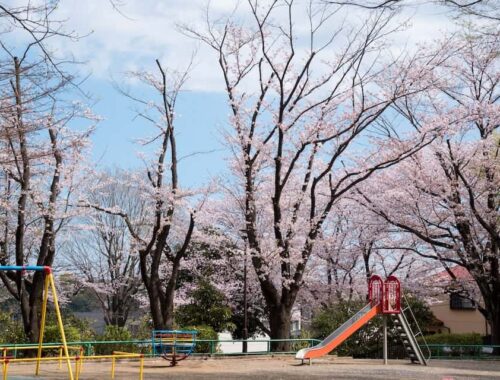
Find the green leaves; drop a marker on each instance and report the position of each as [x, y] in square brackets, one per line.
[208, 307]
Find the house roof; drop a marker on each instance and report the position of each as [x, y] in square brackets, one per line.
[458, 271]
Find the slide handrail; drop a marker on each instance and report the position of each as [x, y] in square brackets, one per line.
[419, 332]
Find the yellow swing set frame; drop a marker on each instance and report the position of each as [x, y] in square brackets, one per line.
[48, 283]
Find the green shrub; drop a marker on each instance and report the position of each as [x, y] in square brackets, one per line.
[11, 330]
[464, 339]
[75, 329]
[141, 329]
[114, 333]
[204, 333]
[82, 325]
[53, 335]
[454, 339]
[304, 334]
[209, 307]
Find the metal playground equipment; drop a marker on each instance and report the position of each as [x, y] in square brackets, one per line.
[384, 299]
[173, 345]
[63, 348]
[79, 361]
[48, 282]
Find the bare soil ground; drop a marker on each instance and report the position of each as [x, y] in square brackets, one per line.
[264, 368]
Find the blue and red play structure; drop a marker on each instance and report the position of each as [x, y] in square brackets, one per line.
[173, 345]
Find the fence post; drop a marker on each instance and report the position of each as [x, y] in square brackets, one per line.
[86, 347]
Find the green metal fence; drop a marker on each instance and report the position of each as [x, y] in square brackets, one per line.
[214, 347]
[203, 346]
[465, 351]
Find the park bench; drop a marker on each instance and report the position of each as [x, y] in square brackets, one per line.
[173, 345]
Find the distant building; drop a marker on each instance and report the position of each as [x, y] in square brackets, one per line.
[296, 324]
[458, 314]
[301, 320]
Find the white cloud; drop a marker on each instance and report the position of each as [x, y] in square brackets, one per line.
[117, 43]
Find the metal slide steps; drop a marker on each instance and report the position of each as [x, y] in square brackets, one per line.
[409, 338]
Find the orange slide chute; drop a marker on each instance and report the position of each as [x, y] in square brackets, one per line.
[341, 334]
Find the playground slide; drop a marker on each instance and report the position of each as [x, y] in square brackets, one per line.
[341, 334]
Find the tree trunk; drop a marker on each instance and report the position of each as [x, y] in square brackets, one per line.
[35, 305]
[493, 317]
[162, 303]
[168, 312]
[117, 315]
[280, 318]
[155, 307]
[493, 311]
[162, 309]
[31, 318]
[495, 330]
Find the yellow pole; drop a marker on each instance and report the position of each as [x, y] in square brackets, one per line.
[141, 368]
[5, 368]
[77, 367]
[61, 326]
[42, 324]
[113, 367]
[60, 356]
[81, 360]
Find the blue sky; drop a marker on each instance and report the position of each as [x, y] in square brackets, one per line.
[116, 43]
[200, 117]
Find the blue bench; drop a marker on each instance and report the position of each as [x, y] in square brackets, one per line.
[173, 345]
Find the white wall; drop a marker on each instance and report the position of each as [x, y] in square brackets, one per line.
[237, 347]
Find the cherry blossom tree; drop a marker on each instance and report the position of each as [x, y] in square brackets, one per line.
[163, 238]
[446, 197]
[34, 25]
[101, 250]
[484, 9]
[41, 152]
[225, 262]
[307, 126]
[355, 245]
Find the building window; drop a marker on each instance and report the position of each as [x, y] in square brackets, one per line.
[457, 302]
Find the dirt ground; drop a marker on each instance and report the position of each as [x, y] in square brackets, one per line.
[264, 368]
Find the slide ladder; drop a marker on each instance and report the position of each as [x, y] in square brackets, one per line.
[333, 340]
[409, 338]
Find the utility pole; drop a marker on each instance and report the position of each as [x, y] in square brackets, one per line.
[385, 339]
[245, 300]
